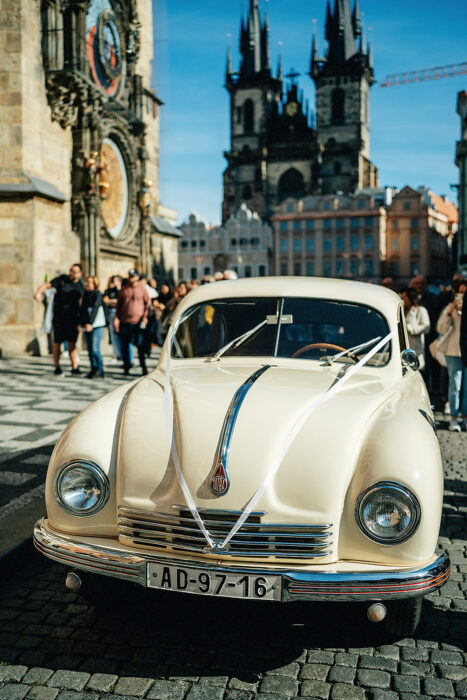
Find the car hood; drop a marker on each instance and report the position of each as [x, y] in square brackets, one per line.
[312, 480]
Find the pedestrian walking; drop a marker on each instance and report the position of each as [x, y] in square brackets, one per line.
[131, 318]
[66, 313]
[93, 320]
[417, 322]
[449, 324]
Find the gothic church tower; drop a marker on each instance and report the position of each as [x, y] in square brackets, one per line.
[343, 80]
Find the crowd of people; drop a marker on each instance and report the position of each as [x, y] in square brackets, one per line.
[137, 315]
[433, 315]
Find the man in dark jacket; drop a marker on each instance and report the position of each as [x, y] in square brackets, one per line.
[131, 318]
[66, 312]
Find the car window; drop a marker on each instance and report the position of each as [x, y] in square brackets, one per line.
[276, 327]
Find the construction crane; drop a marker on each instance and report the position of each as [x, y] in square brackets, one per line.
[417, 76]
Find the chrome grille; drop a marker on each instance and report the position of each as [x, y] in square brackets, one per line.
[180, 532]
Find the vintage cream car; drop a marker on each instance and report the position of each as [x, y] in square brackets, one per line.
[284, 449]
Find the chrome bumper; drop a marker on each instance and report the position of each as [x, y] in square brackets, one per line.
[296, 585]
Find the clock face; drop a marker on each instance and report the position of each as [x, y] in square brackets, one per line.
[104, 45]
[113, 187]
[291, 109]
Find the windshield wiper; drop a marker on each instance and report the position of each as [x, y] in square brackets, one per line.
[239, 340]
[356, 348]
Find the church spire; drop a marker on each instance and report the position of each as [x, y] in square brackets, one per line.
[280, 72]
[356, 23]
[265, 52]
[251, 41]
[228, 63]
[340, 32]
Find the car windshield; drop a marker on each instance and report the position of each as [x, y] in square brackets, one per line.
[308, 329]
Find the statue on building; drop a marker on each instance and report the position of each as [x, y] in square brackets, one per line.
[144, 199]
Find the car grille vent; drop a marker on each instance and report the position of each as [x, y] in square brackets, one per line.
[254, 539]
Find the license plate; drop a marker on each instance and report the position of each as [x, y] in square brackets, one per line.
[216, 583]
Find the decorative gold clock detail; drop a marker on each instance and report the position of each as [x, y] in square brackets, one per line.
[291, 109]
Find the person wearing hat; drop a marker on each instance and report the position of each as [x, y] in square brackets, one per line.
[131, 318]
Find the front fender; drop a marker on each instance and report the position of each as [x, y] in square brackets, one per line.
[401, 446]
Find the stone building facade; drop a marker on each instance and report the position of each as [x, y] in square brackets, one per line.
[330, 236]
[79, 149]
[275, 149]
[243, 244]
[420, 232]
[366, 236]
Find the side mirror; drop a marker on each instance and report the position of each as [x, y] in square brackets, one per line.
[409, 359]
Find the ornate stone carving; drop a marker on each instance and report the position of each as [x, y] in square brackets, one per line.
[63, 100]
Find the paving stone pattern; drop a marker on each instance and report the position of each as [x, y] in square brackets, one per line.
[166, 646]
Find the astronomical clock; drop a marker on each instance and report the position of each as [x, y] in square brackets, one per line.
[91, 54]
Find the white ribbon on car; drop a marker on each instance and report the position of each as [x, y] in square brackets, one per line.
[337, 384]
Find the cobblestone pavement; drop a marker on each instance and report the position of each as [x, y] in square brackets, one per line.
[159, 645]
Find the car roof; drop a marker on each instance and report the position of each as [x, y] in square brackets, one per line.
[384, 300]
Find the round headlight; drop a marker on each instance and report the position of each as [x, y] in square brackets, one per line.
[387, 512]
[81, 487]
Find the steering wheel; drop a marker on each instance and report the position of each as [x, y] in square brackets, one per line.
[329, 346]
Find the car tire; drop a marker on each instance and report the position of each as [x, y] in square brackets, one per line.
[402, 616]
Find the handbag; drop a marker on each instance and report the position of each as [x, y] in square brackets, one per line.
[438, 347]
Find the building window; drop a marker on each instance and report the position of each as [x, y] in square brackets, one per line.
[243, 241]
[407, 206]
[290, 207]
[310, 224]
[284, 245]
[297, 224]
[261, 270]
[202, 244]
[327, 223]
[368, 242]
[414, 268]
[193, 273]
[354, 267]
[368, 221]
[394, 244]
[327, 268]
[248, 115]
[340, 243]
[239, 115]
[194, 244]
[395, 223]
[361, 204]
[283, 226]
[254, 241]
[354, 242]
[247, 193]
[339, 267]
[354, 222]
[414, 243]
[337, 167]
[297, 268]
[394, 268]
[184, 244]
[340, 223]
[297, 245]
[284, 268]
[327, 244]
[247, 270]
[207, 270]
[369, 266]
[337, 106]
[235, 269]
[327, 206]
[181, 273]
[310, 268]
[414, 223]
[233, 241]
[310, 244]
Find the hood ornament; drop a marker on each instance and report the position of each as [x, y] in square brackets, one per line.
[220, 481]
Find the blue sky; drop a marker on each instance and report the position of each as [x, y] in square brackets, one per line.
[414, 127]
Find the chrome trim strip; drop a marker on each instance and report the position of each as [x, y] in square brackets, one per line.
[219, 485]
[296, 585]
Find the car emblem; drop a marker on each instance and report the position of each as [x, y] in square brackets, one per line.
[220, 481]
